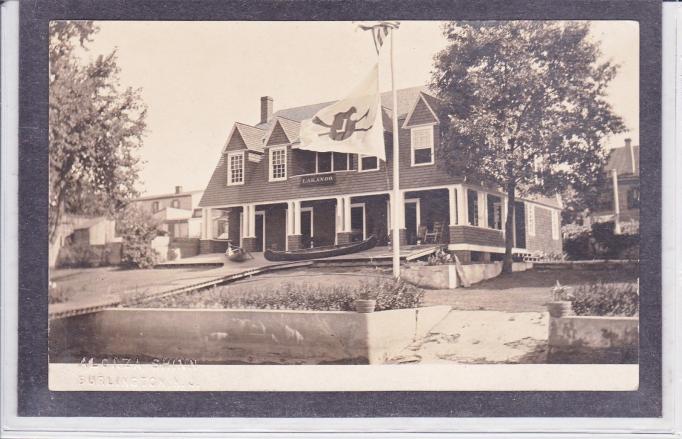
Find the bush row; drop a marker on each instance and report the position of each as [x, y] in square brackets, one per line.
[389, 294]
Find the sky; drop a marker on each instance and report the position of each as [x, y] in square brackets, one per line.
[198, 78]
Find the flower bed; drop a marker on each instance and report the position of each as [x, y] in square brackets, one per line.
[604, 329]
[388, 293]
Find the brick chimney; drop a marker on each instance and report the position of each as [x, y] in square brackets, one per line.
[178, 189]
[631, 149]
[266, 105]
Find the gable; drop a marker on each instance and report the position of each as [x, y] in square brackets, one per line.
[235, 142]
[421, 114]
[278, 136]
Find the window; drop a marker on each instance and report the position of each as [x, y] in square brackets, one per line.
[197, 213]
[155, 206]
[368, 163]
[278, 163]
[633, 198]
[494, 212]
[530, 209]
[324, 162]
[555, 224]
[472, 203]
[235, 168]
[175, 203]
[340, 161]
[422, 145]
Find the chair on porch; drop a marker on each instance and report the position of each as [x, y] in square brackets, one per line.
[436, 235]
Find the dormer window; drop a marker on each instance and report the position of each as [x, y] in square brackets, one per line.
[422, 145]
[235, 168]
[278, 163]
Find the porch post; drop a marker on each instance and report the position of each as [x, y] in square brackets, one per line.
[343, 230]
[293, 225]
[452, 205]
[462, 210]
[249, 227]
[339, 215]
[297, 217]
[482, 209]
[346, 214]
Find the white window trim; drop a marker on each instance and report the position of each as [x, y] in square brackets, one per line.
[317, 165]
[415, 129]
[229, 168]
[270, 156]
[361, 169]
[530, 213]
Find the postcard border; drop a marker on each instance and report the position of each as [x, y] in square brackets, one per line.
[34, 398]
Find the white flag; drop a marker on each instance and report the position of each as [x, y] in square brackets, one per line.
[352, 125]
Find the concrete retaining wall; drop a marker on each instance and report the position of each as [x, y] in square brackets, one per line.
[588, 339]
[445, 276]
[241, 336]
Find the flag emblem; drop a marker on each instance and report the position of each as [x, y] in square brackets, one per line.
[343, 125]
[352, 125]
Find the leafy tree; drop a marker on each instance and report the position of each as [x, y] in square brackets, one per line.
[95, 129]
[526, 105]
[138, 228]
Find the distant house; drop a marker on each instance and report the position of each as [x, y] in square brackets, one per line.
[98, 233]
[178, 212]
[620, 196]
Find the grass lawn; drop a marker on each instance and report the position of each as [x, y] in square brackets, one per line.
[79, 284]
[522, 291]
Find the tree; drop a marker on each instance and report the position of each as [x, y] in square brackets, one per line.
[95, 129]
[138, 228]
[526, 105]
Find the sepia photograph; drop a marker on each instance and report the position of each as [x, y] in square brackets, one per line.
[344, 205]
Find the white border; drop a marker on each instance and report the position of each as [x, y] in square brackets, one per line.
[244, 427]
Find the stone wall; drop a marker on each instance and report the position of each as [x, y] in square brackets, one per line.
[241, 336]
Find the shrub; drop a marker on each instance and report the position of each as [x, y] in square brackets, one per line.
[138, 229]
[600, 299]
[601, 242]
[79, 255]
[389, 293]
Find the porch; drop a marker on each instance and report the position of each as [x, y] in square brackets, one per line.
[468, 219]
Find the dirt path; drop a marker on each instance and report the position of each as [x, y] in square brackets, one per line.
[482, 337]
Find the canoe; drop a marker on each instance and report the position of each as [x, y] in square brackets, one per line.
[320, 252]
[238, 256]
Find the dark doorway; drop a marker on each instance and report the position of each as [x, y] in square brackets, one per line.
[411, 222]
[519, 225]
[357, 221]
[260, 236]
[307, 228]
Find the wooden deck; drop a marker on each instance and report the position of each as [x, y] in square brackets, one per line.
[373, 256]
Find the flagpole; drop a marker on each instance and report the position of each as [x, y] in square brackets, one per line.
[397, 207]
